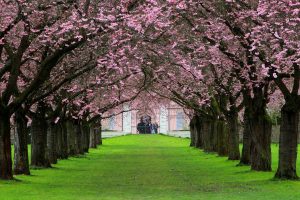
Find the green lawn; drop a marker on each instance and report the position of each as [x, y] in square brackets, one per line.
[149, 167]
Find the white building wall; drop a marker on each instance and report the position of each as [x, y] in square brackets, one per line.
[163, 120]
[127, 120]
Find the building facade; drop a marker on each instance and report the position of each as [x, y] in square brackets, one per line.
[169, 118]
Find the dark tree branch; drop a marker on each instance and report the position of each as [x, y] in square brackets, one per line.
[296, 79]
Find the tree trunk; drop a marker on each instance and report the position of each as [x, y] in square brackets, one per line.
[245, 158]
[197, 135]
[39, 157]
[222, 138]
[214, 135]
[260, 150]
[288, 143]
[192, 132]
[86, 136]
[260, 129]
[233, 136]
[52, 142]
[79, 138]
[59, 141]
[5, 147]
[99, 135]
[21, 161]
[64, 140]
[198, 132]
[71, 138]
[83, 137]
[93, 137]
[76, 139]
[96, 132]
[206, 130]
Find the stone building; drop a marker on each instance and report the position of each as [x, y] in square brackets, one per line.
[170, 118]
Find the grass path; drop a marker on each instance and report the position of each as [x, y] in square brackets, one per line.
[148, 167]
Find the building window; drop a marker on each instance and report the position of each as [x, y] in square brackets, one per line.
[179, 121]
[112, 123]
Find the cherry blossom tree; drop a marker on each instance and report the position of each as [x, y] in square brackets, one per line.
[66, 64]
[35, 37]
